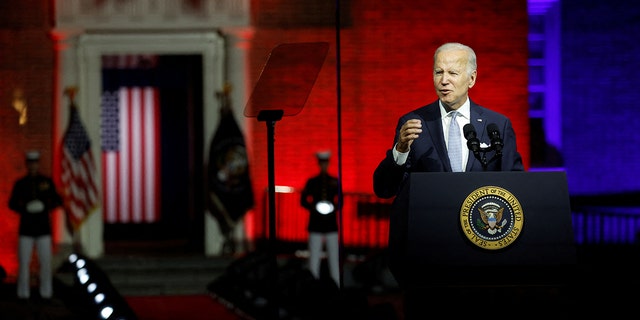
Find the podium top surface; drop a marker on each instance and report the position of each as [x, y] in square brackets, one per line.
[287, 78]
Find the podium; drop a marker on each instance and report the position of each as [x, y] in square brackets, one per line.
[483, 229]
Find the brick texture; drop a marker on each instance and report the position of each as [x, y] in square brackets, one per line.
[385, 66]
[385, 57]
[26, 65]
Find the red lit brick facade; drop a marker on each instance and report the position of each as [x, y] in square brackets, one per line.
[385, 56]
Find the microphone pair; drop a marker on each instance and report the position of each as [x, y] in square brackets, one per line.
[473, 143]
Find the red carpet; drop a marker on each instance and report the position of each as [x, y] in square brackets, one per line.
[189, 307]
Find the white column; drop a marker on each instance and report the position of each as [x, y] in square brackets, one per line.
[67, 73]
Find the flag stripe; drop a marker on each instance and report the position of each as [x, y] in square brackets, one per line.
[128, 157]
[131, 162]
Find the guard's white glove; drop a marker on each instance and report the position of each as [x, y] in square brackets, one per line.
[35, 206]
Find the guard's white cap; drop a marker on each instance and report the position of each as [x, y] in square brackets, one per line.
[32, 155]
[323, 155]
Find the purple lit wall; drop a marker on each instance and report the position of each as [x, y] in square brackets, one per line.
[600, 95]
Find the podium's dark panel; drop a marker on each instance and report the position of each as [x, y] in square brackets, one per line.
[436, 243]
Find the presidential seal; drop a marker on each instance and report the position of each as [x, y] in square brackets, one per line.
[491, 218]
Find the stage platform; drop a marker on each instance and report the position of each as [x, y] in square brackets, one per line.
[605, 282]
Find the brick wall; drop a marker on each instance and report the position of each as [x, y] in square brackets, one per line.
[26, 64]
[386, 50]
[386, 53]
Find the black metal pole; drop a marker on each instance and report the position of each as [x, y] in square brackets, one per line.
[270, 117]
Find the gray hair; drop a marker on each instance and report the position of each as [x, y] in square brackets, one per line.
[472, 63]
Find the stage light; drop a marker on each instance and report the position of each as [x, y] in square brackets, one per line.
[20, 105]
[83, 276]
[99, 298]
[106, 312]
[284, 189]
[80, 263]
[98, 292]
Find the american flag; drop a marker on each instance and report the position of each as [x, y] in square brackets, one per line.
[78, 172]
[130, 155]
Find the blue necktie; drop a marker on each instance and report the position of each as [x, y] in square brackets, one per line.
[455, 145]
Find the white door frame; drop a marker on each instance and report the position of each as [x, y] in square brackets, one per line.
[80, 65]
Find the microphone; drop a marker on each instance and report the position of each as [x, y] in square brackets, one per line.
[494, 135]
[472, 139]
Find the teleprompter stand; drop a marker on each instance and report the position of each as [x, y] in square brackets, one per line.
[282, 90]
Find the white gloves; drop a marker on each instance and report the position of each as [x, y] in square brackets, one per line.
[35, 206]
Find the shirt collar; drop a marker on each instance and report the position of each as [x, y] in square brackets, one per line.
[464, 110]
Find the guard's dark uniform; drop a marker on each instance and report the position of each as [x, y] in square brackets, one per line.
[30, 188]
[34, 196]
[320, 187]
[323, 224]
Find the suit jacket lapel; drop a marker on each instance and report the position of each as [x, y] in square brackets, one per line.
[479, 123]
[434, 126]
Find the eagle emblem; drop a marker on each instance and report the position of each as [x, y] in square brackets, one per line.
[491, 215]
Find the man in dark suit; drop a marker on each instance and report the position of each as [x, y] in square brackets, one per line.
[422, 143]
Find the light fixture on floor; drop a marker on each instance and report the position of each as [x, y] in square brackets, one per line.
[95, 287]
